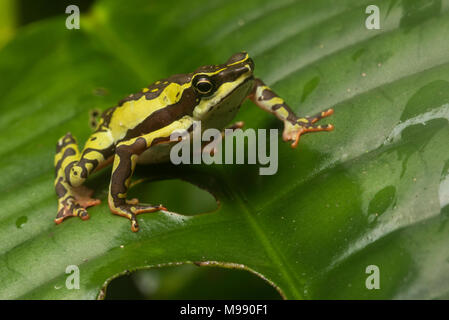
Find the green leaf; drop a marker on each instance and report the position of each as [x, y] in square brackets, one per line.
[7, 21]
[375, 191]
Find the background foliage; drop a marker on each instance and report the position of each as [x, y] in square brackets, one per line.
[374, 191]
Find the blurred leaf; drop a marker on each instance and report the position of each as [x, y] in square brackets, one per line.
[7, 20]
[373, 192]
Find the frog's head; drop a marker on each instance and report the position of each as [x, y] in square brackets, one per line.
[221, 87]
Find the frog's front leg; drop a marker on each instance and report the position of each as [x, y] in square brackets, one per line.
[212, 147]
[125, 160]
[294, 126]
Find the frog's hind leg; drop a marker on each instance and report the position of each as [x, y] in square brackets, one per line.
[68, 206]
[71, 170]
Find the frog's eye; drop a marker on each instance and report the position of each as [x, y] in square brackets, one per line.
[203, 85]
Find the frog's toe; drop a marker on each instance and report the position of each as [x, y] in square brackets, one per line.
[148, 208]
[133, 201]
[134, 206]
[293, 132]
[127, 212]
[138, 209]
[320, 115]
[131, 209]
[71, 209]
[309, 128]
[237, 125]
[64, 141]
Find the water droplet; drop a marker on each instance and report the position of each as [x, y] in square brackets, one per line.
[309, 87]
[21, 221]
[358, 54]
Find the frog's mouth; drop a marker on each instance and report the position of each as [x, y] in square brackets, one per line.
[234, 97]
[242, 84]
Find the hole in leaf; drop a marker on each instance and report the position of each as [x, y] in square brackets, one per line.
[191, 282]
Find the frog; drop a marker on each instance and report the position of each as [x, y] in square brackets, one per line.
[137, 131]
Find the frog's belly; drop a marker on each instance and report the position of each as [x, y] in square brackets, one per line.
[159, 153]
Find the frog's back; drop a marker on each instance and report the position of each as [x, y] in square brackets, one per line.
[150, 109]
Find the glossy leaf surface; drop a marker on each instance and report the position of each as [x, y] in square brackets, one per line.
[373, 192]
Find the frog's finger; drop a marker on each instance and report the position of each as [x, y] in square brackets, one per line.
[320, 115]
[68, 207]
[310, 128]
[138, 209]
[125, 211]
[132, 209]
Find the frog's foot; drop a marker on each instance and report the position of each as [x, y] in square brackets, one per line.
[293, 132]
[74, 203]
[68, 207]
[131, 209]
